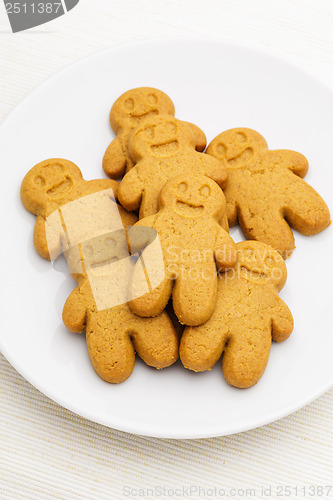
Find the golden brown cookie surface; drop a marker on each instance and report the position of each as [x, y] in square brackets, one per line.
[248, 315]
[129, 110]
[163, 148]
[99, 306]
[265, 191]
[68, 207]
[193, 246]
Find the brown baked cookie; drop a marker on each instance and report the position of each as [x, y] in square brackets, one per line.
[248, 315]
[126, 114]
[98, 305]
[265, 191]
[163, 148]
[68, 208]
[193, 246]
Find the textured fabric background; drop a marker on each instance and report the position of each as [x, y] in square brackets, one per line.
[48, 452]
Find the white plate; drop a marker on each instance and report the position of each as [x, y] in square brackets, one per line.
[217, 86]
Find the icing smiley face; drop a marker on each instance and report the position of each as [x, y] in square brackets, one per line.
[193, 196]
[260, 262]
[136, 104]
[237, 146]
[49, 181]
[102, 252]
[161, 137]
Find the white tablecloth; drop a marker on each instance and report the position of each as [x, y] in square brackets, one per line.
[48, 452]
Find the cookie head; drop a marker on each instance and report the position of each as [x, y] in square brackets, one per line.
[136, 104]
[193, 196]
[160, 137]
[100, 253]
[237, 146]
[47, 182]
[259, 262]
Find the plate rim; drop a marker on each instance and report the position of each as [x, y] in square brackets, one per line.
[130, 426]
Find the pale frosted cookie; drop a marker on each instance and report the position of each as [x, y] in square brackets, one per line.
[68, 208]
[99, 306]
[126, 114]
[265, 191]
[248, 315]
[194, 246]
[163, 148]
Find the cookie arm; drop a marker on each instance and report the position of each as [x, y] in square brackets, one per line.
[215, 169]
[282, 321]
[127, 218]
[75, 311]
[130, 190]
[225, 250]
[199, 137]
[147, 221]
[47, 247]
[97, 185]
[114, 160]
[151, 262]
[304, 209]
[139, 238]
[292, 160]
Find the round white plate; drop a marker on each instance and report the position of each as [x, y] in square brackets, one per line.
[217, 86]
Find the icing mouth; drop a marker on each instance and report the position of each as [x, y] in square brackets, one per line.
[137, 118]
[101, 267]
[165, 147]
[183, 208]
[103, 263]
[253, 273]
[241, 158]
[60, 189]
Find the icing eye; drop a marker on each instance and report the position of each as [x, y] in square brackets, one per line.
[205, 191]
[221, 150]
[129, 104]
[57, 169]
[248, 255]
[241, 137]
[149, 132]
[39, 180]
[88, 252]
[170, 128]
[152, 99]
[182, 187]
[110, 243]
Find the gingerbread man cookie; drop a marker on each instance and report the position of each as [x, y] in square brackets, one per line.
[248, 315]
[193, 244]
[163, 148]
[68, 207]
[265, 191]
[126, 114]
[99, 305]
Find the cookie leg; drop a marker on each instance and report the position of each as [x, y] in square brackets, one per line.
[155, 340]
[111, 351]
[201, 346]
[305, 209]
[153, 303]
[194, 294]
[269, 226]
[246, 356]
